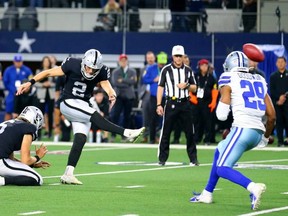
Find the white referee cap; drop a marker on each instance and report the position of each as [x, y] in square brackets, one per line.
[178, 50]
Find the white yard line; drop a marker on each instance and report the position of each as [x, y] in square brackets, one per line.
[266, 211]
[129, 171]
[32, 213]
[154, 169]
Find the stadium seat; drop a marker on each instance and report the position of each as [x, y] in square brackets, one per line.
[9, 21]
[29, 21]
[161, 20]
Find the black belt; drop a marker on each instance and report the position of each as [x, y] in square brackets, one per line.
[178, 100]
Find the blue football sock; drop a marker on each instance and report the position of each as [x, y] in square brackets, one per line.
[213, 179]
[233, 176]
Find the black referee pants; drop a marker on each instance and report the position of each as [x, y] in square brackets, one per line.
[174, 111]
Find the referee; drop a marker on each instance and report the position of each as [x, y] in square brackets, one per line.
[177, 79]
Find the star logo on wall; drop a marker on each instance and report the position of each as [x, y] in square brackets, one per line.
[25, 43]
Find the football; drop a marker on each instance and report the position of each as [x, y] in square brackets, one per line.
[253, 52]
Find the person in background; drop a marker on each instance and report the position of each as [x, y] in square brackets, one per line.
[144, 94]
[46, 94]
[178, 9]
[123, 79]
[110, 15]
[151, 77]
[27, 99]
[253, 67]
[249, 15]
[279, 93]
[212, 72]
[99, 102]
[53, 61]
[12, 78]
[197, 13]
[2, 88]
[186, 60]
[206, 96]
[36, 3]
[61, 124]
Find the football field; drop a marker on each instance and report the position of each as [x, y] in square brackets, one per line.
[124, 179]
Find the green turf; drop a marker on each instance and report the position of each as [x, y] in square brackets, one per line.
[163, 190]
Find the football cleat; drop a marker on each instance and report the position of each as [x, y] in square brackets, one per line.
[133, 135]
[69, 179]
[201, 198]
[255, 197]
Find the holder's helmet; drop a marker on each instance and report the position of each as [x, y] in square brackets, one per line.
[33, 115]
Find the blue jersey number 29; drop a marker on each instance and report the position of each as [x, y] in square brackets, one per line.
[254, 96]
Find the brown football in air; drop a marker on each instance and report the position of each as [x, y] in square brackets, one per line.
[253, 52]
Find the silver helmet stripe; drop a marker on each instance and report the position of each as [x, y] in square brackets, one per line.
[239, 59]
[95, 60]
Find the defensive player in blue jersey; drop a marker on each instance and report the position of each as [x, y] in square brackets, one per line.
[246, 94]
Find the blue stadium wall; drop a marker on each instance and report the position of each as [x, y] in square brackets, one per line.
[196, 45]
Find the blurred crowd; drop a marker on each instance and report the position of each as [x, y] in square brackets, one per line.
[186, 15]
[136, 99]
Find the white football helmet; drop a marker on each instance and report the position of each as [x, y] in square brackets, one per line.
[93, 59]
[236, 62]
[33, 115]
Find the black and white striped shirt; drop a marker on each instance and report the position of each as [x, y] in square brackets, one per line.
[170, 76]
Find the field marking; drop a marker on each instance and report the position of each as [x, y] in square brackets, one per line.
[140, 145]
[263, 161]
[32, 213]
[55, 184]
[131, 186]
[137, 163]
[130, 215]
[285, 193]
[151, 169]
[129, 171]
[266, 211]
[85, 149]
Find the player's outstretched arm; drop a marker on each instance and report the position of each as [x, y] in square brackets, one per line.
[270, 114]
[105, 84]
[54, 72]
[26, 157]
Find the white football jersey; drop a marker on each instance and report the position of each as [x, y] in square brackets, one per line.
[247, 98]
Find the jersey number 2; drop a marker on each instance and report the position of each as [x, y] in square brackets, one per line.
[79, 89]
[254, 96]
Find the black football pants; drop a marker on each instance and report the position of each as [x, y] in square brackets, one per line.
[177, 111]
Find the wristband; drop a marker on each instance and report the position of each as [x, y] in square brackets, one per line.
[187, 85]
[159, 105]
[32, 81]
[37, 158]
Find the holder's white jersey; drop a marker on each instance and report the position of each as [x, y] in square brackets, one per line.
[247, 98]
